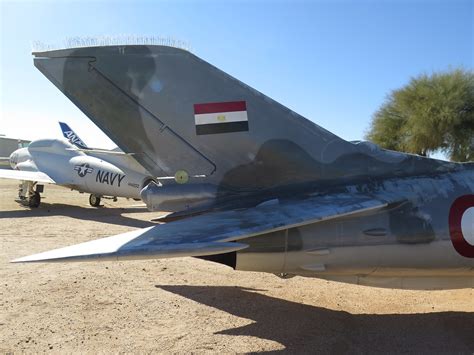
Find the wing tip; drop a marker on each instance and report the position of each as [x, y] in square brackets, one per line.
[35, 258]
[21, 260]
[199, 250]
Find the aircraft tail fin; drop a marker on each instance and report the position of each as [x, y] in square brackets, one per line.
[178, 113]
[71, 136]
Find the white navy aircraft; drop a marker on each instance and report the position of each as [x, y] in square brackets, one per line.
[70, 163]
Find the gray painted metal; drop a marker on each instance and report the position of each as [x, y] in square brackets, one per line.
[303, 200]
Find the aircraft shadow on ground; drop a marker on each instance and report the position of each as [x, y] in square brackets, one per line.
[114, 215]
[309, 329]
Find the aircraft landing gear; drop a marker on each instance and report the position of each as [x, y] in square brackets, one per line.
[94, 200]
[34, 200]
[29, 193]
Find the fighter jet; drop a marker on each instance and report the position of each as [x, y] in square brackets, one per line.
[276, 192]
[102, 173]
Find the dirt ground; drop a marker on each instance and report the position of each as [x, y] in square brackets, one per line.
[189, 305]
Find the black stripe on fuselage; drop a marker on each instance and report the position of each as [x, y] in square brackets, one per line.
[226, 127]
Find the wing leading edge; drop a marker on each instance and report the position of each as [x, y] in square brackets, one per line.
[26, 175]
[213, 233]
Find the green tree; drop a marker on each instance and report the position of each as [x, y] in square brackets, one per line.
[431, 113]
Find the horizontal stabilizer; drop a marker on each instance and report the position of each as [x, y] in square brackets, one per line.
[213, 233]
[127, 247]
[26, 175]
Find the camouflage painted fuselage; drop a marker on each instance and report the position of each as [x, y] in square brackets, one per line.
[408, 244]
[152, 102]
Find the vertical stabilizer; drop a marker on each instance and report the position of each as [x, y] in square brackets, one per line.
[71, 136]
[180, 115]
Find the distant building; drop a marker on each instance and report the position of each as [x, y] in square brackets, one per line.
[8, 146]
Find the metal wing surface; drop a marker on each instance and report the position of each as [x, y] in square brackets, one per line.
[26, 175]
[213, 233]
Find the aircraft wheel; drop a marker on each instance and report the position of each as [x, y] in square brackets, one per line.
[94, 200]
[35, 200]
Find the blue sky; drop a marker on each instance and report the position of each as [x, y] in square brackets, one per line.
[334, 62]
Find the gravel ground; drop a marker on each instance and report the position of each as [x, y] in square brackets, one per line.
[189, 305]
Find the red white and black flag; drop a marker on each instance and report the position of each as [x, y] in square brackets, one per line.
[221, 117]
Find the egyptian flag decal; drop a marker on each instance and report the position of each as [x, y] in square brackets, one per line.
[221, 117]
